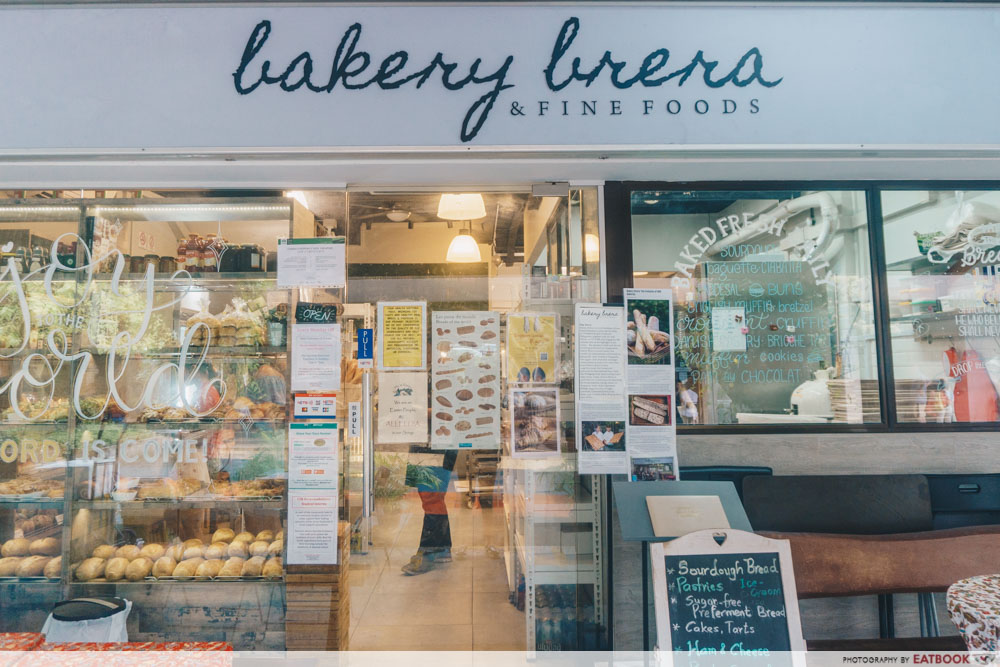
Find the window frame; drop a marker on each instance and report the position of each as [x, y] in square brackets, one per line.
[618, 274]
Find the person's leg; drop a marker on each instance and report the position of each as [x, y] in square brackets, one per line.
[435, 536]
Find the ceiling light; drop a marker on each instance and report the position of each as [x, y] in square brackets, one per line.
[640, 273]
[397, 215]
[650, 201]
[463, 249]
[461, 207]
[591, 248]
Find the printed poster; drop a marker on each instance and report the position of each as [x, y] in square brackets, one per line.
[601, 440]
[312, 262]
[534, 422]
[313, 481]
[402, 335]
[651, 429]
[312, 456]
[315, 357]
[531, 347]
[465, 380]
[729, 329]
[402, 408]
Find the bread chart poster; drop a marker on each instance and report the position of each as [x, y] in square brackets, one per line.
[465, 380]
[651, 429]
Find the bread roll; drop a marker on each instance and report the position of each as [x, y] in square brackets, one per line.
[275, 548]
[223, 535]
[210, 568]
[139, 569]
[104, 551]
[48, 546]
[175, 551]
[272, 568]
[245, 536]
[16, 547]
[232, 568]
[53, 569]
[253, 567]
[238, 549]
[188, 568]
[264, 535]
[193, 552]
[217, 550]
[193, 542]
[115, 569]
[8, 565]
[32, 566]
[129, 552]
[164, 567]
[259, 548]
[92, 568]
[153, 551]
[280, 535]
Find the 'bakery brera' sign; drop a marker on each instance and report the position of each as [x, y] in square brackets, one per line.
[345, 67]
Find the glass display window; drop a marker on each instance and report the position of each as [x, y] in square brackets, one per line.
[942, 249]
[773, 302]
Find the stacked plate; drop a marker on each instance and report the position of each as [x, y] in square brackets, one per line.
[854, 401]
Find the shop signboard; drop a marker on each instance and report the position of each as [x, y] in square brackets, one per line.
[645, 76]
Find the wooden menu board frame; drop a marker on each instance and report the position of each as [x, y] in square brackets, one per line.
[704, 542]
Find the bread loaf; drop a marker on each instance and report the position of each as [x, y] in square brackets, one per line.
[53, 569]
[193, 552]
[264, 535]
[175, 551]
[210, 568]
[193, 542]
[216, 551]
[232, 568]
[259, 548]
[153, 551]
[16, 547]
[129, 552]
[272, 568]
[188, 568]
[47, 546]
[8, 565]
[32, 566]
[245, 536]
[275, 548]
[164, 567]
[104, 551]
[253, 567]
[238, 549]
[115, 569]
[92, 568]
[223, 535]
[280, 535]
[139, 569]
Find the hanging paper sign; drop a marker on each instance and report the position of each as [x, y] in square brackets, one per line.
[402, 335]
[601, 441]
[319, 262]
[531, 347]
[402, 408]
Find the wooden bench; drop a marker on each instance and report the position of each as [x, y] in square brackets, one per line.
[924, 562]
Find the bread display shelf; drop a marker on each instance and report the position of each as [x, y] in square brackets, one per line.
[32, 499]
[207, 277]
[239, 351]
[29, 580]
[259, 502]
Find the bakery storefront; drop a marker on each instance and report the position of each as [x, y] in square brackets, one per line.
[290, 300]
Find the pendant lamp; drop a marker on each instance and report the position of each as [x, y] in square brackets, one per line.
[463, 249]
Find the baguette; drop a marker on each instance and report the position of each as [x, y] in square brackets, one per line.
[153, 551]
[210, 568]
[115, 569]
[8, 565]
[139, 569]
[164, 567]
[48, 546]
[53, 569]
[32, 566]
[129, 552]
[104, 551]
[232, 568]
[92, 568]
[272, 569]
[253, 567]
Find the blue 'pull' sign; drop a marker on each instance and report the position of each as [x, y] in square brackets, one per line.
[366, 347]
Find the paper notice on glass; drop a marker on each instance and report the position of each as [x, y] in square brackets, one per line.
[312, 456]
[651, 429]
[465, 380]
[601, 440]
[729, 329]
[320, 262]
[402, 335]
[315, 357]
[402, 408]
[531, 347]
[312, 528]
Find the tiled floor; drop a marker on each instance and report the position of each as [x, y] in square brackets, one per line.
[462, 605]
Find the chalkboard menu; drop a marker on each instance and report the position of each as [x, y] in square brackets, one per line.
[783, 315]
[726, 603]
